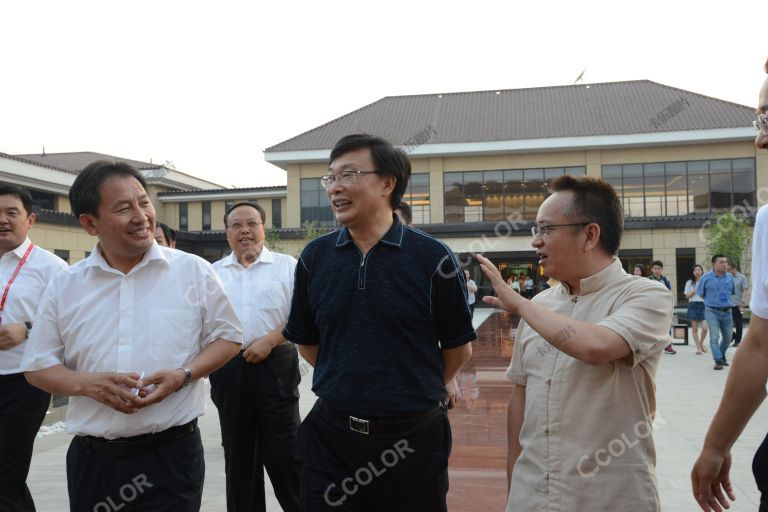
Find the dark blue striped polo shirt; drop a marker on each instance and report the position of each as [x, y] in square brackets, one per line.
[381, 319]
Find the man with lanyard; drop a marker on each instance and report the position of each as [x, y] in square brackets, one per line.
[716, 288]
[257, 393]
[129, 333]
[25, 270]
[383, 347]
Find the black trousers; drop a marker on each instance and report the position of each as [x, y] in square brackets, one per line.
[760, 471]
[738, 324]
[259, 414]
[345, 470]
[22, 410]
[167, 478]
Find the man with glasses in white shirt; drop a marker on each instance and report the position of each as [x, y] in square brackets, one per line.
[25, 270]
[745, 388]
[257, 392]
[129, 333]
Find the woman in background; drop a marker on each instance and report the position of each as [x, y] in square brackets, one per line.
[696, 310]
[639, 270]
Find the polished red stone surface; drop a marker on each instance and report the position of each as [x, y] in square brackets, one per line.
[478, 462]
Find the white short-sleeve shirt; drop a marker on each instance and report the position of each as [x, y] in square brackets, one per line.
[759, 300]
[160, 315]
[25, 293]
[260, 293]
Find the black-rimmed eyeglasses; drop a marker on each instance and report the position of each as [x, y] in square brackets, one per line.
[544, 229]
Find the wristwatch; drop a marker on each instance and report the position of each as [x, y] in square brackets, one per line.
[187, 378]
[28, 325]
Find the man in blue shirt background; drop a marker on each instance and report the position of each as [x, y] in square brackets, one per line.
[716, 288]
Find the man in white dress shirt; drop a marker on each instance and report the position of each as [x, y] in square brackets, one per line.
[257, 392]
[128, 333]
[25, 270]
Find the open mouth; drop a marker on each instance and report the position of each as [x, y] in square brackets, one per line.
[341, 204]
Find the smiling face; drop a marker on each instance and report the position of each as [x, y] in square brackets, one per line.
[15, 222]
[355, 204]
[126, 222]
[657, 271]
[245, 232]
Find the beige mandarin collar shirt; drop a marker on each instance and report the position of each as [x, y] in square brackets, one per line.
[586, 438]
[160, 315]
[24, 293]
[261, 293]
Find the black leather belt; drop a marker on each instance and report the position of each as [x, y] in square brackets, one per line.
[379, 426]
[125, 446]
[723, 310]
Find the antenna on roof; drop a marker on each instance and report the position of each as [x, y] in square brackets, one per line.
[581, 77]
[43, 150]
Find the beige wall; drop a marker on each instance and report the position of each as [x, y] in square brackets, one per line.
[68, 238]
[62, 204]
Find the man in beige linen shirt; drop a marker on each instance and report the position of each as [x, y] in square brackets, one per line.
[580, 415]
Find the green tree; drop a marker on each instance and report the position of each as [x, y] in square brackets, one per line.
[272, 240]
[728, 235]
[312, 230]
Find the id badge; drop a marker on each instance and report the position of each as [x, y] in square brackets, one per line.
[724, 299]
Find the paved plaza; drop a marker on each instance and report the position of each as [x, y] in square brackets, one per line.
[688, 391]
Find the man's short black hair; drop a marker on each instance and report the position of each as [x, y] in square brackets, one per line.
[657, 263]
[594, 200]
[21, 193]
[168, 232]
[735, 265]
[716, 256]
[84, 195]
[257, 207]
[405, 211]
[387, 159]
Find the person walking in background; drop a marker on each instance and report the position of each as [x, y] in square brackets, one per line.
[695, 312]
[716, 288]
[471, 291]
[657, 267]
[740, 284]
[639, 270]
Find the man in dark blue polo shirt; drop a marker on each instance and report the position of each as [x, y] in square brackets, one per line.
[380, 310]
[716, 288]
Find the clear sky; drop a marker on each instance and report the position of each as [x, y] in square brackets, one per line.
[210, 85]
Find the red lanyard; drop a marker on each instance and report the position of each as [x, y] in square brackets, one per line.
[13, 277]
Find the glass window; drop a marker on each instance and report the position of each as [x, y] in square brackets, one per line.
[698, 193]
[417, 196]
[453, 197]
[654, 190]
[514, 194]
[315, 206]
[473, 196]
[535, 190]
[493, 202]
[633, 190]
[277, 213]
[677, 189]
[183, 217]
[206, 215]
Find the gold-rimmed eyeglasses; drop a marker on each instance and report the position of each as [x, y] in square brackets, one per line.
[237, 226]
[761, 124]
[344, 177]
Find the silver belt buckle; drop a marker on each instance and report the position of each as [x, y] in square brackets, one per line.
[359, 425]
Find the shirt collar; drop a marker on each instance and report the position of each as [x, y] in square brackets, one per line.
[265, 256]
[393, 237]
[600, 280]
[21, 249]
[96, 259]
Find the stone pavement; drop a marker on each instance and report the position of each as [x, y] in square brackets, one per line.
[688, 391]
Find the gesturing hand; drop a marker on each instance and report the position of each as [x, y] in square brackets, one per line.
[506, 298]
[709, 479]
[113, 389]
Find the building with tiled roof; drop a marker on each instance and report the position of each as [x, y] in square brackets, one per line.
[481, 162]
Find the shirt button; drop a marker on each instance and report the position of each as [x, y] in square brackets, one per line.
[546, 430]
[549, 382]
[546, 476]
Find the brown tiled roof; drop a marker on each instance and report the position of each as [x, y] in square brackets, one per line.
[615, 108]
[210, 190]
[76, 162]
